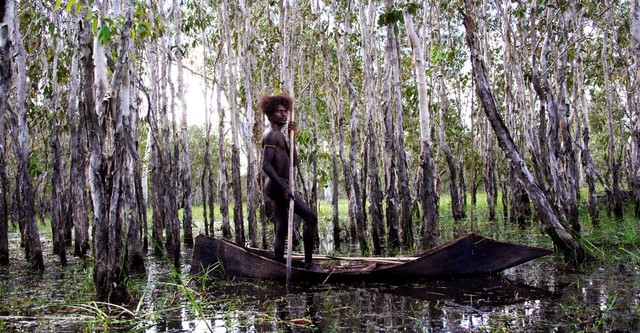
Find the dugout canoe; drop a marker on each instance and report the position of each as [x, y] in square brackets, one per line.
[470, 255]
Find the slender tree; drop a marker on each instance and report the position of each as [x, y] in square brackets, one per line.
[427, 182]
[388, 123]
[5, 87]
[238, 220]
[57, 221]
[33, 247]
[185, 164]
[634, 151]
[615, 204]
[247, 61]
[370, 105]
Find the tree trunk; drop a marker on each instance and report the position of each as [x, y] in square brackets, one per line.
[171, 139]
[357, 227]
[614, 196]
[207, 172]
[57, 219]
[572, 250]
[404, 192]
[185, 161]
[581, 104]
[33, 247]
[333, 119]
[456, 208]
[5, 87]
[428, 199]
[222, 167]
[133, 202]
[635, 139]
[252, 164]
[370, 103]
[388, 129]
[77, 159]
[235, 148]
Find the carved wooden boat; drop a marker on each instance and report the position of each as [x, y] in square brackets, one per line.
[470, 255]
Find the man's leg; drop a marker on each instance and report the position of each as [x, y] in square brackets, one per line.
[310, 223]
[281, 219]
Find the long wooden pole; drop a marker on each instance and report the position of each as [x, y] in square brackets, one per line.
[292, 142]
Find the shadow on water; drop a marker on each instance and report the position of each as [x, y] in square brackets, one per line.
[539, 296]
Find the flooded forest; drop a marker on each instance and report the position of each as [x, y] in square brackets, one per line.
[129, 127]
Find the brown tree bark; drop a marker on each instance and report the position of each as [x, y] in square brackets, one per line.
[333, 119]
[635, 139]
[370, 105]
[77, 148]
[184, 158]
[456, 208]
[428, 196]
[33, 247]
[236, 185]
[614, 201]
[573, 251]
[57, 218]
[5, 87]
[388, 123]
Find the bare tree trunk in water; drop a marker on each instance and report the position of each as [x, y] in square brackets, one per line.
[57, 218]
[357, 227]
[585, 155]
[33, 247]
[428, 198]
[5, 87]
[406, 202]
[222, 168]
[157, 147]
[207, 171]
[614, 197]
[136, 250]
[172, 177]
[333, 119]
[390, 142]
[247, 60]
[77, 159]
[573, 251]
[370, 103]
[635, 139]
[235, 146]
[185, 161]
[490, 186]
[456, 208]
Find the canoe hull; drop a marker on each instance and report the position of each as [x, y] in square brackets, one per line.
[470, 255]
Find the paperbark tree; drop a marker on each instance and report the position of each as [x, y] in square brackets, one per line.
[247, 60]
[427, 182]
[57, 219]
[24, 187]
[390, 150]
[238, 220]
[77, 159]
[329, 94]
[573, 251]
[5, 87]
[108, 158]
[185, 161]
[370, 104]
[634, 151]
[615, 204]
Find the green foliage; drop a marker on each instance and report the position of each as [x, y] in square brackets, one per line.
[393, 16]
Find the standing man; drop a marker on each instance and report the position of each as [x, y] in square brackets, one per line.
[275, 164]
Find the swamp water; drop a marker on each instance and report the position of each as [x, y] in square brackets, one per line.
[539, 296]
